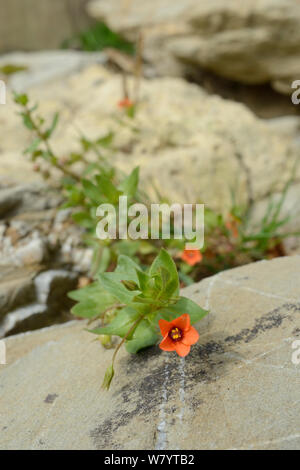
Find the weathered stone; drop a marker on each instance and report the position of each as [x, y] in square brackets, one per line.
[9, 200]
[46, 301]
[45, 66]
[31, 253]
[201, 154]
[237, 389]
[16, 287]
[20, 29]
[250, 42]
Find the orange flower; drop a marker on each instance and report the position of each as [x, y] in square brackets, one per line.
[178, 335]
[192, 257]
[125, 103]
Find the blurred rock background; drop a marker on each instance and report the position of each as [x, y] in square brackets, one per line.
[30, 25]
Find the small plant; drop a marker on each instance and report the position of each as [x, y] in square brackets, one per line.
[97, 38]
[133, 303]
[96, 183]
[135, 293]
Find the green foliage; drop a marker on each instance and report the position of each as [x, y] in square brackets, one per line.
[11, 69]
[97, 38]
[144, 297]
[141, 295]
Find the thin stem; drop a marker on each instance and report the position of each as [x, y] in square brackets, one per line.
[126, 336]
[102, 314]
[44, 139]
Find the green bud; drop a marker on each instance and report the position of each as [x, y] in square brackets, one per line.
[130, 285]
[109, 374]
[105, 340]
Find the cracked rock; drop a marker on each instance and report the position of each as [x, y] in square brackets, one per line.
[237, 389]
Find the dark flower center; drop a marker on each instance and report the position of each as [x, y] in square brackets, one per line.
[175, 334]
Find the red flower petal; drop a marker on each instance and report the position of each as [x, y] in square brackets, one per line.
[182, 349]
[165, 326]
[183, 322]
[191, 257]
[167, 344]
[191, 336]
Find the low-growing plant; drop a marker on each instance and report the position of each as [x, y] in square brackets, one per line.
[131, 302]
[135, 288]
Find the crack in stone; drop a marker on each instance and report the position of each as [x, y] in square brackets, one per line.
[256, 291]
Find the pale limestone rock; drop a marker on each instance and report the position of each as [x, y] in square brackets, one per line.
[248, 41]
[27, 24]
[190, 146]
[16, 287]
[33, 299]
[30, 253]
[237, 389]
[45, 66]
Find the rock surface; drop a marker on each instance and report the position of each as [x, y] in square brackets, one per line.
[201, 154]
[34, 298]
[250, 41]
[19, 27]
[237, 389]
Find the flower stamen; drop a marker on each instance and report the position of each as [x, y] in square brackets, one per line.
[175, 334]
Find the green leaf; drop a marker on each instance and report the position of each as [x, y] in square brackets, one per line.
[54, 123]
[128, 268]
[184, 277]
[183, 305]
[128, 247]
[75, 196]
[92, 192]
[94, 292]
[144, 335]
[86, 309]
[27, 121]
[84, 219]
[21, 99]
[93, 300]
[130, 184]
[104, 261]
[33, 146]
[106, 187]
[86, 144]
[106, 140]
[143, 280]
[120, 325]
[164, 267]
[112, 283]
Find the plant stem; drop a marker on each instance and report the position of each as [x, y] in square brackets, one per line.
[105, 311]
[44, 139]
[126, 336]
